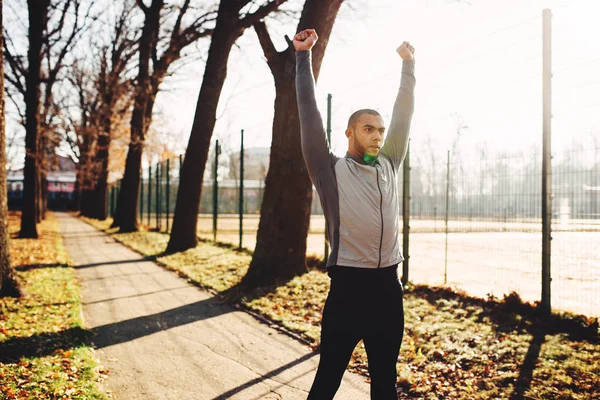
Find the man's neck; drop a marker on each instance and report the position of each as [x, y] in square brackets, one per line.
[367, 159]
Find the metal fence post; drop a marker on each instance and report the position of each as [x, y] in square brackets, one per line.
[159, 190]
[112, 201]
[149, 192]
[326, 250]
[241, 189]
[168, 192]
[406, 215]
[216, 190]
[157, 193]
[447, 212]
[546, 160]
[142, 197]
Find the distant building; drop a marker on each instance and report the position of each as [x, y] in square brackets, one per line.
[60, 185]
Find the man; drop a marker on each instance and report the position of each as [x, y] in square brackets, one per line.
[359, 196]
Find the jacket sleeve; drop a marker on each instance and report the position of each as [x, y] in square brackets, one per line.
[396, 142]
[315, 150]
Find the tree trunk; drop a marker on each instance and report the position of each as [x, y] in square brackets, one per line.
[100, 194]
[185, 220]
[85, 198]
[43, 190]
[77, 192]
[99, 208]
[8, 283]
[280, 251]
[128, 198]
[285, 210]
[38, 185]
[38, 12]
[84, 168]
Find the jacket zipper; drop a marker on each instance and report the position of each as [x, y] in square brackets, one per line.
[381, 214]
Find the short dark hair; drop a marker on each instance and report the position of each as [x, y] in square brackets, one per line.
[357, 114]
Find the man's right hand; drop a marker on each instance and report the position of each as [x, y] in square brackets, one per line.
[305, 40]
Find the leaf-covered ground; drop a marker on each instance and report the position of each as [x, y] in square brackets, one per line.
[42, 341]
[455, 346]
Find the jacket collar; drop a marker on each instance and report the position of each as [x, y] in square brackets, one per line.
[360, 160]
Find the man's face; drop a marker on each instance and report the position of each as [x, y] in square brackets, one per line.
[366, 137]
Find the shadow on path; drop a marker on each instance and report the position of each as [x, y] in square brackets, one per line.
[110, 334]
[129, 261]
[266, 376]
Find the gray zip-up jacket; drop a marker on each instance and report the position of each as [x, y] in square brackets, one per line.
[359, 200]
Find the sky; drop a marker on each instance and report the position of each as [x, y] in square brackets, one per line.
[478, 64]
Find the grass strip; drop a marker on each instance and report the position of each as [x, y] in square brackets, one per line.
[455, 346]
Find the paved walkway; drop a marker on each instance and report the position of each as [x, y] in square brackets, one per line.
[162, 338]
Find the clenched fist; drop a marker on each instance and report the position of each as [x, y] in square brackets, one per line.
[305, 40]
[406, 51]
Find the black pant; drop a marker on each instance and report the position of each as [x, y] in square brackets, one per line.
[362, 304]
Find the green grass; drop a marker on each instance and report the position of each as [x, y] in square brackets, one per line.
[455, 346]
[43, 354]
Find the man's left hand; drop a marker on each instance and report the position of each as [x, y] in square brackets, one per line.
[406, 51]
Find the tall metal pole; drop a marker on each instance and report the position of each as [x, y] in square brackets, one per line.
[112, 201]
[546, 160]
[157, 191]
[142, 197]
[406, 214]
[326, 251]
[149, 192]
[447, 212]
[161, 176]
[216, 190]
[168, 193]
[241, 189]
[179, 175]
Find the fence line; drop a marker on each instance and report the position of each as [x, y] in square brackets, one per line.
[473, 216]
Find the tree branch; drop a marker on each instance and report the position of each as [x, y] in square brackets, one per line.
[61, 22]
[14, 80]
[15, 62]
[259, 14]
[195, 30]
[177, 26]
[265, 41]
[144, 7]
[180, 40]
[17, 106]
[70, 41]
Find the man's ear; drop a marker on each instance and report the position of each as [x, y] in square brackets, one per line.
[348, 132]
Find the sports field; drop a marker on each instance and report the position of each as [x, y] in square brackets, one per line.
[483, 257]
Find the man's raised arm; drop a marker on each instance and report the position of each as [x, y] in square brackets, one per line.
[396, 142]
[314, 144]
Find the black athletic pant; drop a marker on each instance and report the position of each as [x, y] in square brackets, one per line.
[362, 304]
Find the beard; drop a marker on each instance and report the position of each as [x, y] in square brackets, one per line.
[366, 153]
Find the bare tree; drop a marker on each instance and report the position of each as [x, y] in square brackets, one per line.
[12, 146]
[285, 213]
[54, 28]
[80, 133]
[151, 72]
[38, 17]
[233, 18]
[112, 87]
[8, 283]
